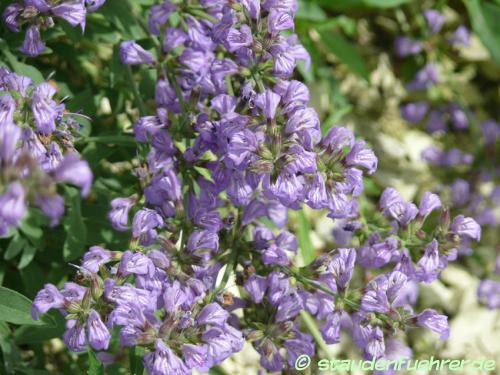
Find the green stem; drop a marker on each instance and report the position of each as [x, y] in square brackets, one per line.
[316, 334]
[135, 91]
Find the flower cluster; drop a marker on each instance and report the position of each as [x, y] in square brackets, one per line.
[144, 295]
[38, 15]
[409, 248]
[470, 180]
[439, 114]
[231, 145]
[36, 150]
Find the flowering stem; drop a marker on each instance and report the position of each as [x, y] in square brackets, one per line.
[304, 280]
[135, 91]
[316, 334]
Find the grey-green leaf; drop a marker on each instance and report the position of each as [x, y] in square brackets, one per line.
[16, 308]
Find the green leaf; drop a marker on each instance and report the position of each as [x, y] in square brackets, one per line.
[350, 4]
[31, 335]
[95, 366]
[339, 4]
[305, 244]
[16, 308]
[310, 11]
[14, 248]
[123, 140]
[217, 370]
[28, 255]
[385, 3]
[29, 371]
[135, 358]
[22, 68]
[76, 232]
[346, 53]
[485, 19]
[10, 353]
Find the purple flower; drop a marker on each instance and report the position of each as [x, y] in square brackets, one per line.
[33, 44]
[73, 12]
[429, 203]
[174, 296]
[301, 344]
[338, 138]
[212, 314]
[10, 134]
[436, 122]
[414, 112]
[458, 117]
[466, 227]
[48, 298]
[75, 171]
[426, 77]
[163, 361]
[430, 319]
[268, 102]
[253, 7]
[362, 157]
[288, 308]
[434, 19]
[238, 38]
[460, 36]
[405, 46]
[428, 265]
[93, 5]
[96, 257]
[40, 5]
[342, 267]
[74, 337]
[195, 356]
[45, 110]
[132, 54]
[145, 220]
[330, 330]
[376, 255]
[134, 263]
[118, 215]
[173, 38]
[52, 206]
[375, 346]
[12, 205]
[489, 293]
[256, 286]
[98, 334]
[10, 15]
[491, 131]
[279, 21]
[7, 108]
[158, 16]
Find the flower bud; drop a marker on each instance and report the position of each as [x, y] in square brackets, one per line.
[96, 287]
[255, 335]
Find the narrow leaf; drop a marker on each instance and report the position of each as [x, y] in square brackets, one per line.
[95, 366]
[303, 238]
[346, 53]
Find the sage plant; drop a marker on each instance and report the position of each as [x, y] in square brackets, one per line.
[231, 146]
[37, 151]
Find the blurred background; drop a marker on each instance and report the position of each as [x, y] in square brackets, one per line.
[359, 77]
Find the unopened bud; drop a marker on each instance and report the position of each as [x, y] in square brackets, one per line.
[255, 335]
[96, 287]
[261, 166]
[445, 220]
[72, 307]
